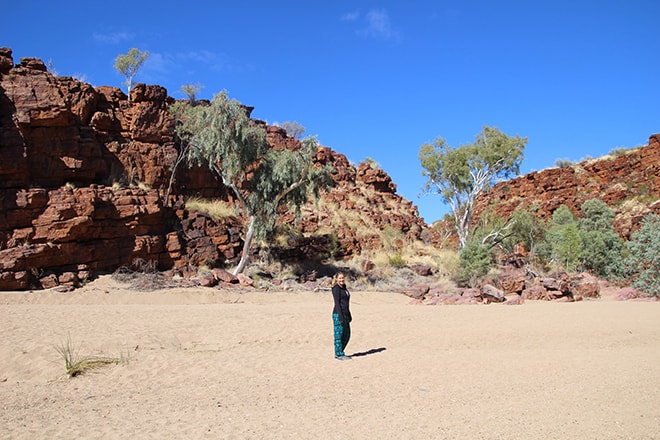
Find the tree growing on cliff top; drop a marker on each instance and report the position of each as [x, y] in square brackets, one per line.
[129, 64]
[460, 174]
[222, 136]
[191, 91]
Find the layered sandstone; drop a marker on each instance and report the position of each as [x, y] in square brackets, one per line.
[629, 182]
[84, 172]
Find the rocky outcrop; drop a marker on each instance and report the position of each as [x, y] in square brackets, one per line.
[629, 182]
[83, 177]
[512, 287]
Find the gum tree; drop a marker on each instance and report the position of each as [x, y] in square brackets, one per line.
[263, 180]
[460, 174]
[129, 64]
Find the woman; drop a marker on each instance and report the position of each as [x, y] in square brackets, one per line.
[341, 315]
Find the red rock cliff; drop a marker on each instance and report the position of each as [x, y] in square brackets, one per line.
[83, 172]
[628, 182]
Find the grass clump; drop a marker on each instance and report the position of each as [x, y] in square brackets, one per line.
[218, 209]
[397, 260]
[76, 364]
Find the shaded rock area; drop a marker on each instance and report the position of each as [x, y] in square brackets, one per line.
[84, 172]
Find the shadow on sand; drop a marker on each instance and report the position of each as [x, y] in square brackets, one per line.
[368, 352]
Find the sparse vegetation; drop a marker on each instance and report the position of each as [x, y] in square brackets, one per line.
[143, 276]
[76, 364]
[191, 91]
[51, 67]
[293, 129]
[397, 260]
[564, 163]
[620, 151]
[372, 163]
[218, 209]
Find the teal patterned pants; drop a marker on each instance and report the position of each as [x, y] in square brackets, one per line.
[342, 334]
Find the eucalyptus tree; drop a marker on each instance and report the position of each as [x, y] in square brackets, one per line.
[460, 174]
[129, 64]
[263, 180]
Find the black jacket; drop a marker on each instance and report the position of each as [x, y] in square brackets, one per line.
[342, 299]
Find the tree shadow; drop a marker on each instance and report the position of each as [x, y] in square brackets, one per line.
[368, 352]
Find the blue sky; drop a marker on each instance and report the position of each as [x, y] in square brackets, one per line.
[377, 79]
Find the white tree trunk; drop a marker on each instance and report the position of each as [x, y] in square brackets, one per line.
[245, 255]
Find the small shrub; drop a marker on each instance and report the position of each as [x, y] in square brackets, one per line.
[475, 260]
[563, 163]
[293, 129]
[371, 162]
[397, 260]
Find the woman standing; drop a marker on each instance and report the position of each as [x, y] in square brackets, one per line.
[341, 315]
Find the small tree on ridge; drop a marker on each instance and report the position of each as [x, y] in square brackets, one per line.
[129, 64]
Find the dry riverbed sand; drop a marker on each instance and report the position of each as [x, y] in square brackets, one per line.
[220, 364]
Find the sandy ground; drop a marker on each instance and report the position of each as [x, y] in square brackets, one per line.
[205, 363]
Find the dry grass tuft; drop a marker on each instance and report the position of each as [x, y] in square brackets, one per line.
[218, 209]
[76, 365]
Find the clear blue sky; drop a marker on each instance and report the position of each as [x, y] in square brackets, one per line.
[378, 79]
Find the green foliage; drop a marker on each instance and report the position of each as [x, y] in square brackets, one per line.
[643, 261]
[602, 247]
[562, 240]
[223, 137]
[129, 64]
[526, 228]
[460, 174]
[597, 215]
[475, 260]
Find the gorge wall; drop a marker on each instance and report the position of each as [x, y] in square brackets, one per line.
[628, 181]
[83, 177]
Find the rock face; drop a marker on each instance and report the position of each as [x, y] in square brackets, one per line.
[628, 182]
[83, 177]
